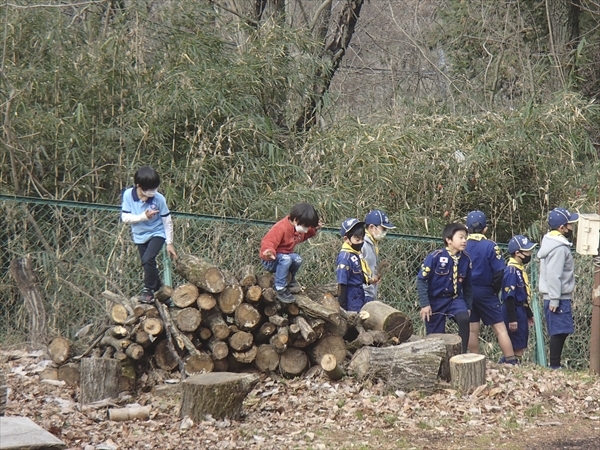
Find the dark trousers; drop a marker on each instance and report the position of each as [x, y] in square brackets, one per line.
[148, 252]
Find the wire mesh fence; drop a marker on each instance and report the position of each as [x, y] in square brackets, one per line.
[79, 250]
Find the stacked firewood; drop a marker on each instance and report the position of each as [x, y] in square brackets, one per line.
[226, 322]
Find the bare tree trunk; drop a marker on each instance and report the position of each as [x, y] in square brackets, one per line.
[332, 58]
[563, 31]
[22, 271]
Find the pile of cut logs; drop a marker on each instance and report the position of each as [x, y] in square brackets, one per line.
[222, 322]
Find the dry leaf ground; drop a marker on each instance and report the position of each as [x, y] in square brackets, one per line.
[520, 408]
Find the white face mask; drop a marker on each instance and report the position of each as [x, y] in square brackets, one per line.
[379, 235]
[150, 192]
[301, 229]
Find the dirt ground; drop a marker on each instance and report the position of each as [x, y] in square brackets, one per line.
[520, 408]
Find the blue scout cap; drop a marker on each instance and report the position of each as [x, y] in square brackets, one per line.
[476, 219]
[378, 217]
[348, 224]
[520, 242]
[561, 216]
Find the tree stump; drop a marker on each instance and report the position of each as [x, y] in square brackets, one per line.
[201, 273]
[218, 394]
[467, 371]
[22, 271]
[100, 378]
[293, 362]
[331, 368]
[453, 344]
[59, 350]
[410, 366]
[384, 317]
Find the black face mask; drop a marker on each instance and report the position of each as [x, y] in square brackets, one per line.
[525, 259]
[357, 247]
[568, 234]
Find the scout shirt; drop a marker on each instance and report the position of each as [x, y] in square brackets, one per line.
[446, 275]
[486, 259]
[350, 268]
[516, 284]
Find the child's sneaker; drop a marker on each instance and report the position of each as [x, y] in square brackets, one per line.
[147, 296]
[284, 296]
[294, 287]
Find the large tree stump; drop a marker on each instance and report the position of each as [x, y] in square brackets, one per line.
[467, 371]
[21, 270]
[200, 272]
[384, 317]
[410, 366]
[334, 345]
[185, 295]
[293, 362]
[267, 359]
[218, 394]
[59, 350]
[100, 378]
[453, 344]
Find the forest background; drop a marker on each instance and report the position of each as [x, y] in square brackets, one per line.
[425, 109]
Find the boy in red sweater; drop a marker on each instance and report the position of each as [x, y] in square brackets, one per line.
[277, 248]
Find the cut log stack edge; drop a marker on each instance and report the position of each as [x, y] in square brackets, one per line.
[233, 323]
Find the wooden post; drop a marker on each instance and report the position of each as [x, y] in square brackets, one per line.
[3, 393]
[467, 371]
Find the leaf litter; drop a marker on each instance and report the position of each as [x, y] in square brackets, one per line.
[316, 413]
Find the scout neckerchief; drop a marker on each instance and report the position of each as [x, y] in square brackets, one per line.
[476, 237]
[455, 258]
[363, 264]
[517, 265]
[374, 243]
[556, 233]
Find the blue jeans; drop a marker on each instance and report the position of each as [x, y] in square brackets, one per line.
[283, 264]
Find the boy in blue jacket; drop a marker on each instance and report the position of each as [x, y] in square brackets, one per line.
[444, 284]
[516, 294]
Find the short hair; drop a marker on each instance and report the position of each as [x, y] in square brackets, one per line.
[356, 231]
[146, 178]
[451, 229]
[304, 214]
[476, 228]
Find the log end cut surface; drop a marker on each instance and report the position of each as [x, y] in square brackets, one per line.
[219, 394]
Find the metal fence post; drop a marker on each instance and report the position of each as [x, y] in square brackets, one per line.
[540, 348]
[167, 268]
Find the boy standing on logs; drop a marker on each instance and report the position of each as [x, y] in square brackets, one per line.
[277, 248]
[444, 284]
[378, 224]
[151, 226]
[488, 270]
[516, 294]
[351, 269]
[557, 280]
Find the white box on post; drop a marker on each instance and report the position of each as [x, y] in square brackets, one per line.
[588, 234]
